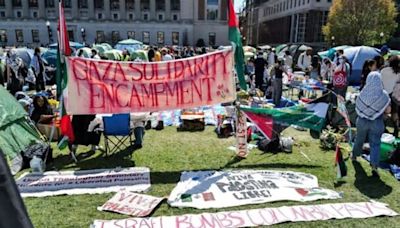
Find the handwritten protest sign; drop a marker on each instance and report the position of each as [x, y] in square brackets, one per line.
[241, 135]
[100, 86]
[133, 204]
[84, 182]
[218, 189]
[257, 217]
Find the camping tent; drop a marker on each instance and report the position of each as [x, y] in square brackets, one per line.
[16, 132]
[330, 53]
[357, 56]
[73, 45]
[141, 54]
[130, 44]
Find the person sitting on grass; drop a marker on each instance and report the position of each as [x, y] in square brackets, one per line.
[370, 107]
[42, 112]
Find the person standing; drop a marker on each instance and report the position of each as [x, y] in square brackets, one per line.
[277, 72]
[340, 76]
[390, 77]
[304, 61]
[288, 59]
[370, 107]
[271, 57]
[94, 54]
[259, 68]
[150, 54]
[37, 66]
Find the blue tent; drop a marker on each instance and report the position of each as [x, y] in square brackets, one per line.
[357, 56]
[73, 45]
[331, 52]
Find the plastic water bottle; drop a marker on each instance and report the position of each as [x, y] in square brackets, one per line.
[37, 165]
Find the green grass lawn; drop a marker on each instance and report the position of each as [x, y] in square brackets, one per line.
[167, 153]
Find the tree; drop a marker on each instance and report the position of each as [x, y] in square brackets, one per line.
[361, 22]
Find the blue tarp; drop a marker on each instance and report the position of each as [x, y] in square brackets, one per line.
[357, 56]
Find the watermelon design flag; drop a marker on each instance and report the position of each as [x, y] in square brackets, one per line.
[62, 77]
[236, 39]
[341, 169]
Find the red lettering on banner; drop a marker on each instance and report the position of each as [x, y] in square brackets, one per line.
[236, 216]
[116, 223]
[169, 70]
[181, 222]
[199, 65]
[174, 92]
[337, 210]
[132, 224]
[178, 74]
[269, 214]
[79, 64]
[137, 70]
[117, 97]
[93, 95]
[151, 74]
[119, 72]
[147, 93]
[198, 89]
[144, 223]
[301, 214]
[184, 91]
[123, 197]
[349, 208]
[135, 96]
[318, 211]
[158, 91]
[253, 219]
[224, 220]
[188, 66]
[209, 222]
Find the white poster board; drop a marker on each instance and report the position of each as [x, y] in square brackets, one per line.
[133, 204]
[256, 217]
[84, 182]
[218, 189]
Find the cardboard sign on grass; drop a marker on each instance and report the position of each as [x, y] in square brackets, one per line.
[257, 217]
[218, 189]
[133, 204]
[84, 182]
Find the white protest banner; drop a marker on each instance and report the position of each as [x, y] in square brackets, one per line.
[256, 217]
[133, 204]
[84, 182]
[101, 86]
[241, 135]
[218, 189]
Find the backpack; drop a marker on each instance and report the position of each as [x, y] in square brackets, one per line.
[340, 77]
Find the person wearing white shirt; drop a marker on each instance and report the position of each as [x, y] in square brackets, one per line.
[288, 59]
[304, 61]
[271, 58]
[94, 54]
[166, 56]
[391, 74]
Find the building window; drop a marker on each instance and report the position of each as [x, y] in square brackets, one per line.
[3, 35]
[175, 17]
[2, 3]
[83, 4]
[291, 4]
[114, 4]
[160, 5]
[33, 3]
[131, 34]
[115, 37]
[211, 38]
[100, 16]
[19, 35]
[130, 16]
[35, 14]
[115, 16]
[67, 4]
[130, 4]
[71, 36]
[175, 38]
[212, 9]
[160, 17]
[19, 14]
[145, 17]
[175, 5]
[35, 36]
[146, 37]
[49, 3]
[16, 3]
[160, 37]
[144, 4]
[100, 37]
[304, 2]
[2, 14]
[99, 4]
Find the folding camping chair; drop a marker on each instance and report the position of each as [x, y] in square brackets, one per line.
[117, 131]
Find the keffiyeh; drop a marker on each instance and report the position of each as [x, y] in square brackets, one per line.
[373, 100]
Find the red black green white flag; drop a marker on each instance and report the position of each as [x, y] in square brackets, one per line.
[341, 169]
[62, 77]
[236, 39]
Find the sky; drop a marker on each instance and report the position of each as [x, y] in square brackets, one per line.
[238, 5]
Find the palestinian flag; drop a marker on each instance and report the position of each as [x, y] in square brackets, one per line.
[271, 121]
[236, 39]
[341, 169]
[62, 77]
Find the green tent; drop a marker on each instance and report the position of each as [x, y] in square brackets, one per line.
[141, 54]
[16, 132]
[113, 54]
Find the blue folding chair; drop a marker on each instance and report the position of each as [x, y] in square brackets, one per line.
[117, 131]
